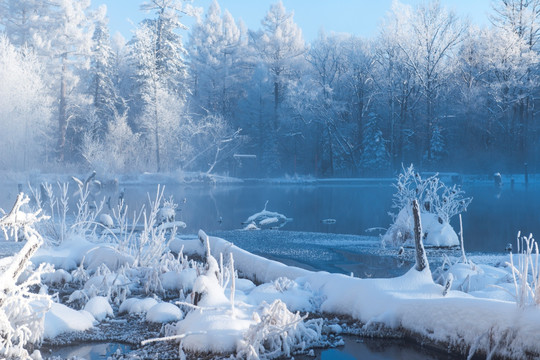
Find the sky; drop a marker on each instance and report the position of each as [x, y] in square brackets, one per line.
[359, 17]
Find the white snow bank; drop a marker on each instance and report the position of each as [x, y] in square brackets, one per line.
[290, 292]
[164, 312]
[136, 306]
[61, 319]
[412, 302]
[99, 307]
[250, 266]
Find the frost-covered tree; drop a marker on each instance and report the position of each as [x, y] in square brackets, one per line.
[60, 33]
[25, 108]
[218, 68]
[374, 154]
[280, 46]
[64, 44]
[105, 99]
[397, 93]
[428, 37]
[519, 24]
[437, 146]
[157, 54]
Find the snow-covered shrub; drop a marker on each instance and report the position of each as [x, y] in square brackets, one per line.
[438, 204]
[22, 311]
[277, 332]
[526, 273]
[56, 206]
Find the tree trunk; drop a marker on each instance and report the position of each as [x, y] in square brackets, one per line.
[421, 258]
[62, 115]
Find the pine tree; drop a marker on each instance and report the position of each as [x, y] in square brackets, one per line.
[437, 145]
[374, 154]
[105, 99]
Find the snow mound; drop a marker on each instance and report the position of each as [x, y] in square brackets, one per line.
[99, 307]
[164, 312]
[136, 306]
[286, 290]
[106, 220]
[214, 330]
[57, 277]
[112, 258]
[61, 319]
[179, 280]
[437, 233]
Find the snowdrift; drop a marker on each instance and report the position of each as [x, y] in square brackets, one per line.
[412, 303]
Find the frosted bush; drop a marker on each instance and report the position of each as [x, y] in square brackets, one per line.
[438, 204]
[432, 194]
[277, 332]
[526, 273]
[22, 311]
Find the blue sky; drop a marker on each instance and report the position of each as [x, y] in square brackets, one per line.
[360, 17]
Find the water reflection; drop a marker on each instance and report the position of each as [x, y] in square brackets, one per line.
[90, 351]
[380, 349]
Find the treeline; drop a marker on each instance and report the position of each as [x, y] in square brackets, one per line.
[430, 89]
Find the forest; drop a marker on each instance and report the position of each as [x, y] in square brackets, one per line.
[430, 88]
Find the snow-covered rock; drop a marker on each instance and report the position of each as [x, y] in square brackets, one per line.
[165, 214]
[108, 256]
[136, 306]
[61, 319]
[164, 312]
[57, 277]
[106, 220]
[99, 307]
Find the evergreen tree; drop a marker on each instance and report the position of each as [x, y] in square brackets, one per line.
[157, 54]
[217, 50]
[374, 153]
[105, 99]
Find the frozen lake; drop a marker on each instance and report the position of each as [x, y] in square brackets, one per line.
[492, 220]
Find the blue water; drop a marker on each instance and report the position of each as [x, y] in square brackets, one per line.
[492, 220]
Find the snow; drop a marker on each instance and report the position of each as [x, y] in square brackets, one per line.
[163, 312]
[57, 277]
[106, 220]
[179, 280]
[438, 233]
[99, 307]
[134, 306]
[219, 330]
[413, 302]
[108, 256]
[61, 319]
[266, 219]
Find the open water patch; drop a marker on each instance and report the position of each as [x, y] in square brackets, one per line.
[87, 351]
